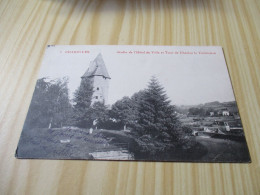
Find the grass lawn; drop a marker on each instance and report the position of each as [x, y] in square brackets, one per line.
[76, 143]
[46, 143]
[220, 150]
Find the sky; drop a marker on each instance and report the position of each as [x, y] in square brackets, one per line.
[189, 75]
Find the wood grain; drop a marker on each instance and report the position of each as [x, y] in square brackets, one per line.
[27, 26]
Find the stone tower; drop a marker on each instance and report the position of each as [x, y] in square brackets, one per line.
[97, 72]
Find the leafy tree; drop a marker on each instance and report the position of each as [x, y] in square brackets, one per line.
[50, 105]
[137, 97]
[38, 115]
[124, 111]
[208, 111]
[61, 107]
[82, 108]
[157, 127]
[99, 112]
[197, 111]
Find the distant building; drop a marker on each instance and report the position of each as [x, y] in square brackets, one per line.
[210, 129]
[211, 113]
[97, 72]
[225, 113]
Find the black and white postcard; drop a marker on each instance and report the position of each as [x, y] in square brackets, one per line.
[138, 103]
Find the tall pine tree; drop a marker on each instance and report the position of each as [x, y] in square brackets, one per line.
[157, 126]
[82, 99]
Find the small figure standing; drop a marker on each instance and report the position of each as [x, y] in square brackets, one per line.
[95, 124]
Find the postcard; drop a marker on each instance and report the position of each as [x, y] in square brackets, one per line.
[134, 103]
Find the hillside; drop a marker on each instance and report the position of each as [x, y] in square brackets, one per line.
[216, 106]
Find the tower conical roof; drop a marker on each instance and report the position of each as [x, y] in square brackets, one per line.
[97, 68]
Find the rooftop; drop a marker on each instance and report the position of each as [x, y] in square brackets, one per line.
[97, 68]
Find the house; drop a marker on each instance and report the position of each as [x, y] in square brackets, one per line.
[99, 76]
[225, 113]
[211, 113]
[210, 129]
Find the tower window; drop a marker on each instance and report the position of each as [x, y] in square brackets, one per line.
[96, 97]
[97, 88]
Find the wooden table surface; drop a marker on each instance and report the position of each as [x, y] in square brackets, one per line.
[27, 26]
